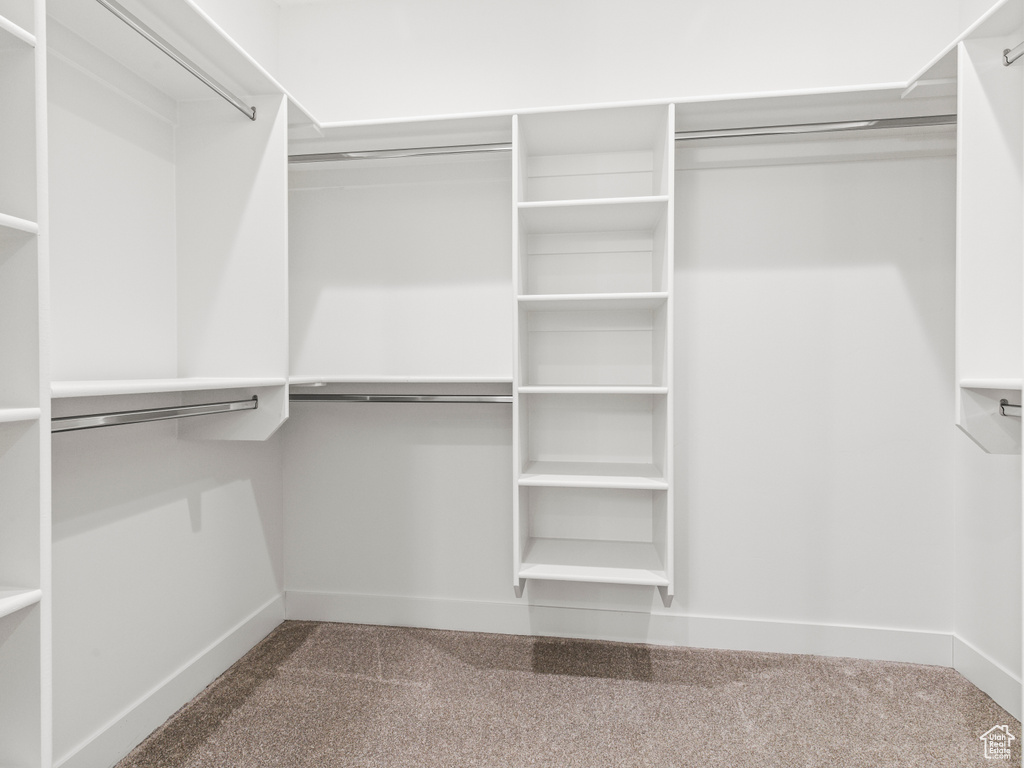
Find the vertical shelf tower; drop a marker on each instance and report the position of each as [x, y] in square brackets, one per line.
[990, 240]
[24, 422]
[592, 252]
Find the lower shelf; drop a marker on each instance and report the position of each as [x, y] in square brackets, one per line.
[603, 562]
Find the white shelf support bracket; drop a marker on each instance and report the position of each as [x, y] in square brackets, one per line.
[520, 587]
[666, 596]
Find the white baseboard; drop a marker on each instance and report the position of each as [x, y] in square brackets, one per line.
[118, 737]
[994, 679]
[521, 618]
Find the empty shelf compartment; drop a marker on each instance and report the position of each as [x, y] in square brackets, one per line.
[604, 562]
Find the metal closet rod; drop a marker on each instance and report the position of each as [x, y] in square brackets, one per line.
[1009, 409]
[721, 133]
[1010, 55]
[95, 420]
[345, 398]
[133, 22]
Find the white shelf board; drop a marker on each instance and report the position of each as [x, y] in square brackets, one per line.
[313, 381]
[12, 33]
[13, 600]
[591, 301]
[626, 214]
[592, 390]
[566, 474]
[146, 386]
[605, 562]
[13, 227]
[990, 383]
[8, 415]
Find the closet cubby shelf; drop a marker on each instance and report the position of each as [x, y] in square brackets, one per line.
[591, 301]
[572, 474]
[312, 381]
[592, 390]
[606, 562]
[1006, 383]
[147, 386]
[8, 415]
[13, 600]
[596, 215]
[12, 226]
[11, 33]
[592, 201]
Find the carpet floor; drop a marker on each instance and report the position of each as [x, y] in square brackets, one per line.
[323, 695]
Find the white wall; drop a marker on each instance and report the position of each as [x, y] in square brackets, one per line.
[988, 553]
[814, 360]
[161, 548]
[373, 59]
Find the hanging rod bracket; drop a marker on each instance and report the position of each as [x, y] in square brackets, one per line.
[124, 15]
[1010, 55]
[118, 418]
[1006, 408]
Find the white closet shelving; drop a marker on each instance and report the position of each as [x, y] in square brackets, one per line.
[24, 446]
[169, 236]
[592, 245]
[990, 239]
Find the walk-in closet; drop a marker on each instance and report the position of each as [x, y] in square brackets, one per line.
[667, 327]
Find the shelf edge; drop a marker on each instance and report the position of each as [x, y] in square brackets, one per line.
[99, 388]
[12, 415]
[17, 32]
[17, 600]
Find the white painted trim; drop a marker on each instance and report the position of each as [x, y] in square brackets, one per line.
[989, 675]
[521, 618]
[122, 734]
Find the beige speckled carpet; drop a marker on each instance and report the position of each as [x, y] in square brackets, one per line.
[325, 695]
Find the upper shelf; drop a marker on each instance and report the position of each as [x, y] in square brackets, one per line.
[147, 386]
